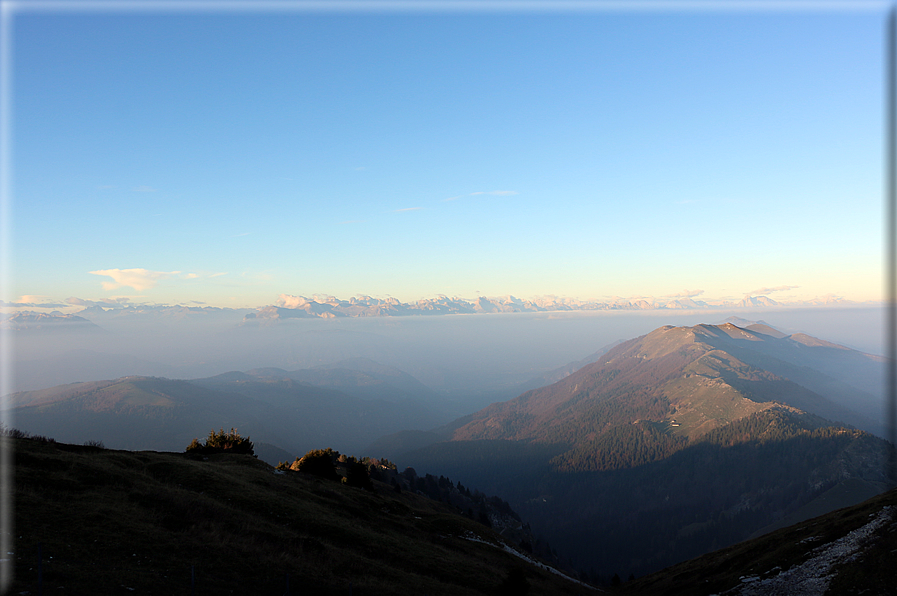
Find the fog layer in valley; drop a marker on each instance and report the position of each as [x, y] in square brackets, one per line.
[471, 360]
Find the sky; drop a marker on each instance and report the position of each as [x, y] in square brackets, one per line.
[227, 157]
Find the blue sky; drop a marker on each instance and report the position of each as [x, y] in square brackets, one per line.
[232, 157]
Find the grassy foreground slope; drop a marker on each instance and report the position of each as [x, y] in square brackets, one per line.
[100, 521]
[849, 551]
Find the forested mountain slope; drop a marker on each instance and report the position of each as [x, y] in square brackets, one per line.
[688, 380]
[675, 443]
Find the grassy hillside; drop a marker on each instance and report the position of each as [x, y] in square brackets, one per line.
[91, 520]
[848, 551]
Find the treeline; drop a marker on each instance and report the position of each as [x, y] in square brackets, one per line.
[632, 445]
[330, 464]
[620, 447]
[712, 493]
[486, 463]
[488, 510]
[771, 425]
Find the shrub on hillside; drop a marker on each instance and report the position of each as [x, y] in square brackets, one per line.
[357, 475]
[14, 433]
[318, 462]
[222, 442]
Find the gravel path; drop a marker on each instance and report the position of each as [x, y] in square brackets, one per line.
[812, 577]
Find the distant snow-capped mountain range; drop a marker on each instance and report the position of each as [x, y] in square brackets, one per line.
[288, 306]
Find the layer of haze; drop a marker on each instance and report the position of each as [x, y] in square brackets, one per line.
[471, 360]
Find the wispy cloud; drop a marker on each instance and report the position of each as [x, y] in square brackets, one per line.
[32, 301]
[771, 290]
[687, 294]
[139, 279]
[106, 187]
[33, 298]
[143, 188]
[408, 209]
[501, 193]
[117, 301]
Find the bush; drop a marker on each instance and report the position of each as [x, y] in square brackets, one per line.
[13, 433]
[318, 462]
[357, 476]
[222, 442]
[515, 583]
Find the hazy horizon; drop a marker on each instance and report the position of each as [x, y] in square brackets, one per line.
[453, 354]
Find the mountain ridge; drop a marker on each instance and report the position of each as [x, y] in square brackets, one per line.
[347, 408]
[657, 377]
[669, 440]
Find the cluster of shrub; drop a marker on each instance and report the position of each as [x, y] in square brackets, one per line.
[333, 465]
[222, 441]
[14, 433]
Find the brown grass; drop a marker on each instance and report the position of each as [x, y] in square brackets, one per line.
[142, 522]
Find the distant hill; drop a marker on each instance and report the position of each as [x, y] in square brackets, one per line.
[73, 365]
[362, 378]
[675, 443]
[138, 413]
[35, 322]
[164, 414]
[99, 521]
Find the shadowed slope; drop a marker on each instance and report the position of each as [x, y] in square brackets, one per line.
[163, 523]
